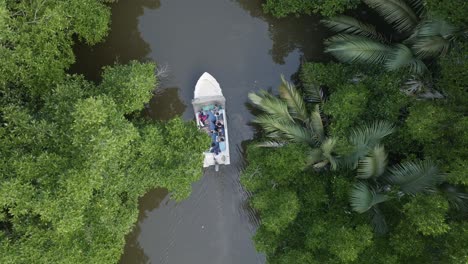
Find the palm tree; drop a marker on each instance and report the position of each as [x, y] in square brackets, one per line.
[360, 42]
[379, 183]
[297, 118]
[287, 118]
[361, 141]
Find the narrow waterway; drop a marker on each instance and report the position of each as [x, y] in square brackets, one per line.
[245, 50]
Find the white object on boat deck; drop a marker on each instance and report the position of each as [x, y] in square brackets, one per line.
[208, 92]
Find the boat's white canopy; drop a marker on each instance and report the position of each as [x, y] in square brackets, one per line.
[207, 86]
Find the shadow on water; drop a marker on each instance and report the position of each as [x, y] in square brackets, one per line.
[133, 253]
[123, 44]
[165, 104]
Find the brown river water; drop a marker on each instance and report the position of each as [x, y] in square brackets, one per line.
[245, 50]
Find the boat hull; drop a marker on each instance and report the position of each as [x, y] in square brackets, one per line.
[208, 93]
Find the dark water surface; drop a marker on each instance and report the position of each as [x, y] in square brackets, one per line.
[245, 50]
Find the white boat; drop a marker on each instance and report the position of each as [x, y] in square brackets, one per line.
[208, 97]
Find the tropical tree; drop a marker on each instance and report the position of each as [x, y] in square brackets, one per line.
[423, 37]
[287, 118]
[379, 184]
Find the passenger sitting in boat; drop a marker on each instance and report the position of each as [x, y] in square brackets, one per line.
[211, 116]
[202, 117]
[212, 125]
[219, 115]
[213, 135]
[220, 129]
[215, 148]
[222, 144]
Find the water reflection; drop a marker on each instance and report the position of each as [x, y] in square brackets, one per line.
[165, 104]
[133, 252]
[124, 42]
[304, 33]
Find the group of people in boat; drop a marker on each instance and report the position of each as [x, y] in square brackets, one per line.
[212, 121]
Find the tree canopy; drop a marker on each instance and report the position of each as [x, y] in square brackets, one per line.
[75, 156]
[282, 8]
[404, 201]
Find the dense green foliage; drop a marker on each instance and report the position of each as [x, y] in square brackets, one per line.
[453, 10]
[417, 37]
[282, 8]
[406, 203]
[75, 156]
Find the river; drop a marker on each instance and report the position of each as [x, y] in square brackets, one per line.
[245, 50]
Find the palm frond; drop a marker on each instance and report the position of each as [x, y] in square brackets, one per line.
[315, 122]
[401, 56]
[347, 48]
[316, 159]
[364, 139]
[373, 165]
[417, 6]
[414, 177]
[299, 134]
[436, 27]
[314, 94]
[293, 99]
[364, 198]
[315, 155]
[285, 130]
[395, 12]
[327, 147]
[270, 104]
[378, 221]
[350, 25]
[267, 122]
[431, 46]
[320, 157]
[456, 198]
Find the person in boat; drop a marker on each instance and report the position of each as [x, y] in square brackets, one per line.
[212, 126]
[202, 117]
[211, 116]
[220, 129]
[213, 135]
[215, 148]
[222, 144]
[219, 115]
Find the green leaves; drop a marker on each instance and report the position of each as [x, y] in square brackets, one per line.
[427, 213]
[294, 100]
[395, 12]
[270, 104]
[73, 165]
[350, 25]
[402, 57]
[287, 118]
[365, 138]
[129, 85]
[276, 218]
[349, 49]
[415, 177]
[359, 42]
[363, 197]
[282, 8]
[373, 165]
